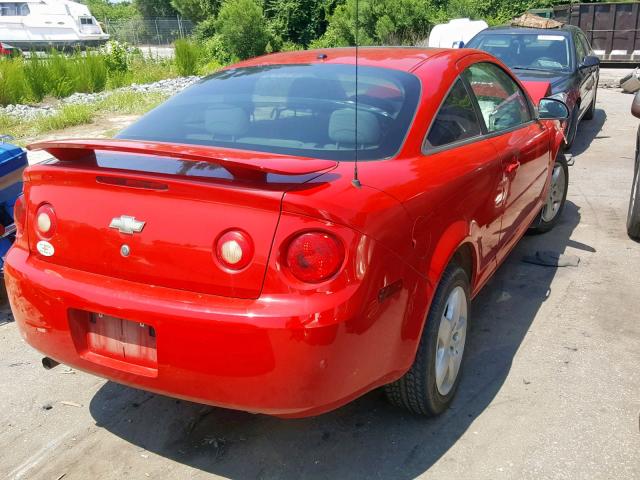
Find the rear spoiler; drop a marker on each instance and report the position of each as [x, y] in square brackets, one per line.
[239, 163]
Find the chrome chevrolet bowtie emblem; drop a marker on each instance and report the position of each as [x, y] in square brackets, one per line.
[126, 224]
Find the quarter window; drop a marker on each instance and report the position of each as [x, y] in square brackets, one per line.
[585, 44]
[581, 51]
[502, 103]
[456, 120]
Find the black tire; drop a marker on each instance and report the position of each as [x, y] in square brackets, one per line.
[633, 217]
[589, 114]
[544, 223]
[417, 390]
[573, 127]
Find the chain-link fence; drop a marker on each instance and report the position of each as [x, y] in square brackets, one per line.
[142, 32]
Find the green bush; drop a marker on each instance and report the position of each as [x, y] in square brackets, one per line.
[205, 29]
[213, 50]
[187, 57]
[13, 87]
[243, 28]
[117, 57]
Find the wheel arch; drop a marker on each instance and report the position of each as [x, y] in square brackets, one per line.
[455, 244]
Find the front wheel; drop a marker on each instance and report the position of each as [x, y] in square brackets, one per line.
[633, 217]
[431, 382]
[550, 213]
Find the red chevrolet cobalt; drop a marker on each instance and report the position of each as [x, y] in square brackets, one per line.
[291, 232]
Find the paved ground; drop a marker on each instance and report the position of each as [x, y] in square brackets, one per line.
[551, 386]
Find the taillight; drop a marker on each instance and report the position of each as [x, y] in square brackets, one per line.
[46, 221]
[19, 215]
[234, 249]
[314, 257]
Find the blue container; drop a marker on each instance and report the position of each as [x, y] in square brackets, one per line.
[13, 160]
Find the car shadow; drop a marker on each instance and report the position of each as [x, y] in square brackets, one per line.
[367, 438]
[588, 131]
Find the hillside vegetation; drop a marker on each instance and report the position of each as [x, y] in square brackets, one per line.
[236, 29]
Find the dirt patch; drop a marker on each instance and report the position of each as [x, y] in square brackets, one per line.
[101, 127]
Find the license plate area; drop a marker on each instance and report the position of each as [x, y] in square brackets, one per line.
[115, 342]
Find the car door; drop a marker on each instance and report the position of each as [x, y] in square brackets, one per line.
[587, 76]
[521, 142]
[471, 188]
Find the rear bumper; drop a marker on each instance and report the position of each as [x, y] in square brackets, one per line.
[286, 356]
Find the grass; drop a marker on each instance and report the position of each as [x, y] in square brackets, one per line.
[32, 79]
[124, 103]
[13, 87]
[130, 103]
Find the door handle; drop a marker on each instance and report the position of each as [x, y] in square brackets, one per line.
[513, 166]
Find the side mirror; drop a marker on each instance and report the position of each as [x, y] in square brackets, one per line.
[635, 106]
[589, 61]
[552, 109]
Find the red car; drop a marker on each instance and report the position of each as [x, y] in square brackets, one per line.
[7, 50]
[229, 249]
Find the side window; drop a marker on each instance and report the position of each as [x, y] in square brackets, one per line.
[502, 103]
[580, 49]
[456, 120]
[585, 44]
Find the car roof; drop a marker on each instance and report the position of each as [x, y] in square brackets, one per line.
[397, 58]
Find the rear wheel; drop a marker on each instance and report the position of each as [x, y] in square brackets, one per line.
[556, 198]
[633, 217]
[430, 384]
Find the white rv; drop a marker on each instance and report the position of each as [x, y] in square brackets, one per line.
[456, 33]
[42, 24]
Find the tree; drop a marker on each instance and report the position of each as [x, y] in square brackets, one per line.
[243, 28]
[298, 21]
[155, 8]
[104, 10]
[196, 10]
[381, 22]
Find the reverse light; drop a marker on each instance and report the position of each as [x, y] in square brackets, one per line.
[314, 257]
[19, 215]
[234, 249]
[46, 221]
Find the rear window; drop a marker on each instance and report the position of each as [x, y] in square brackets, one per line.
[527, 51]
[302, 110]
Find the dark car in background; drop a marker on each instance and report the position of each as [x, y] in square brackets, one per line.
[633, 218]
[561, 56]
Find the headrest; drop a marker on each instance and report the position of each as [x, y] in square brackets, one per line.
[226, 120]
[342, 127]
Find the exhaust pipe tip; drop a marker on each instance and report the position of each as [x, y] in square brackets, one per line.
[49, 363]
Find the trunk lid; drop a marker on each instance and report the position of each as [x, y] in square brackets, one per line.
[186, 197]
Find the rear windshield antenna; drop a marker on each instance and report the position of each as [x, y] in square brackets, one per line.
[356, 181]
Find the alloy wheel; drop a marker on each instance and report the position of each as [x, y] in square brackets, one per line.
[555, 195]
[452, 334]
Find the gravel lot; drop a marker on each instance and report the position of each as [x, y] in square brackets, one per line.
[551, 386]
